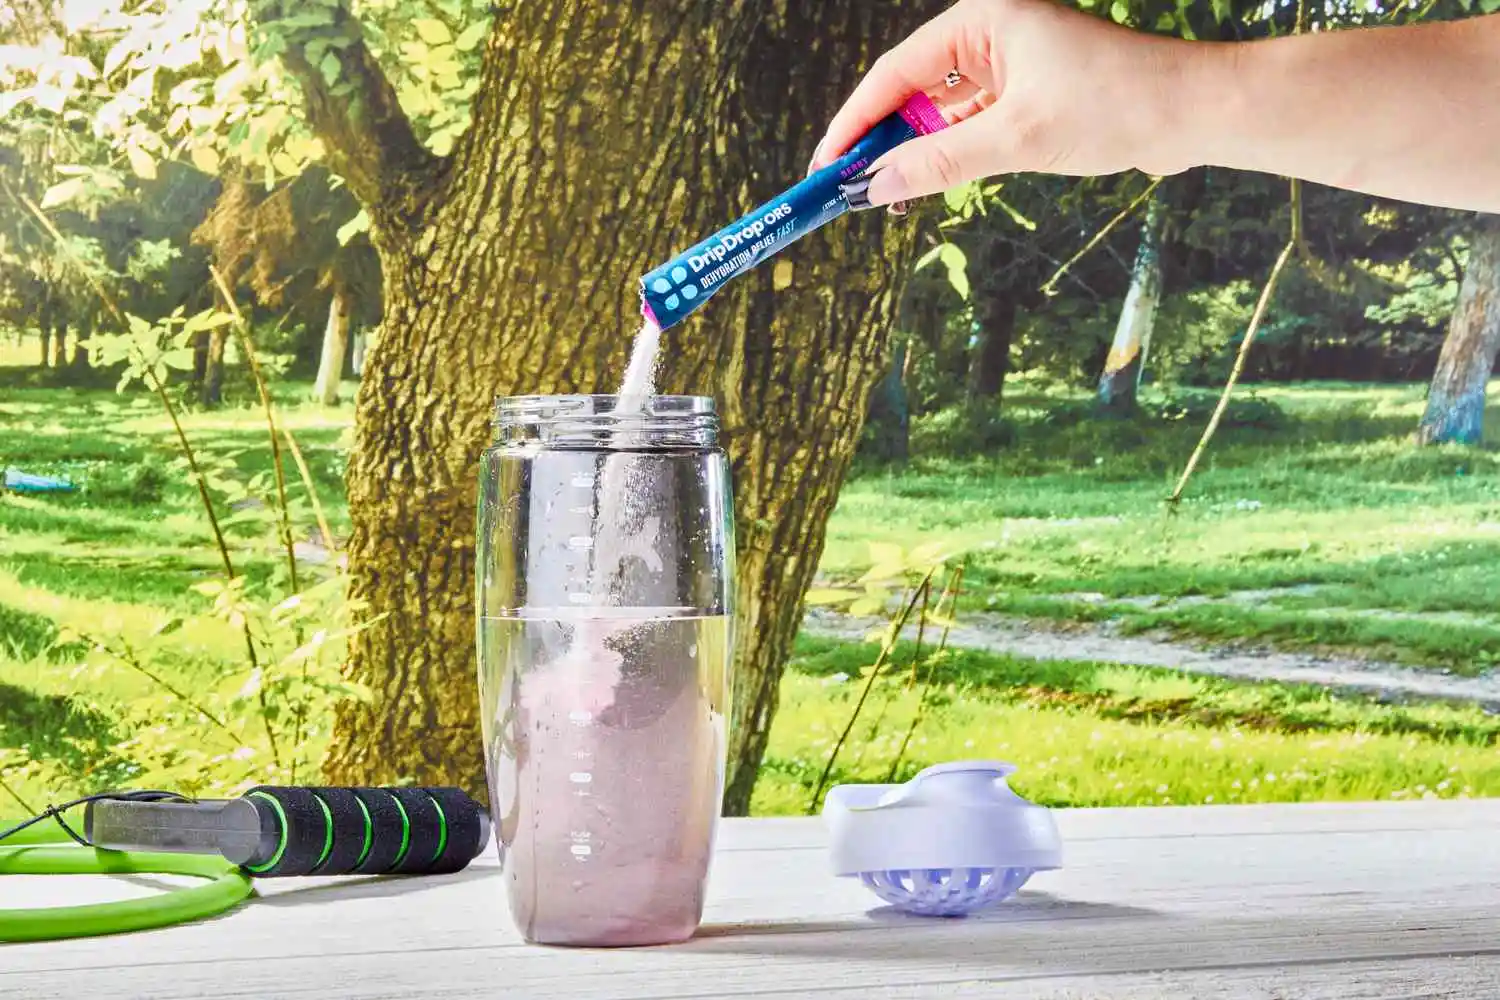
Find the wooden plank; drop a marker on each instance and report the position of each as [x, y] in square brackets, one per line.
[1347, 901]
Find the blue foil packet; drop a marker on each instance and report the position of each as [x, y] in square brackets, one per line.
[675, 289]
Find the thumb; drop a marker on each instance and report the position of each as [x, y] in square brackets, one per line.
[933, 163]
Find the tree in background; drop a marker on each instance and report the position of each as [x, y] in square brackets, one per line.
[293, 247]
[514, 195]
[1132, 341]
[516, 177]
[1455, 401]
[993, 301]
[510, 266]
[123, 221]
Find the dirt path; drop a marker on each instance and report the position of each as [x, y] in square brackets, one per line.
[1100, 643]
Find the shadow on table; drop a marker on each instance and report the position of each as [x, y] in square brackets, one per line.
[1027, 907]
[287, 893]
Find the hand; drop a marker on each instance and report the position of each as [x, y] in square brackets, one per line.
[1043, 88]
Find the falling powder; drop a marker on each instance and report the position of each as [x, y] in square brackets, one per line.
[640, 376]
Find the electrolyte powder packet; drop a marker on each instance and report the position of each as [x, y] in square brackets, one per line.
[675, 289]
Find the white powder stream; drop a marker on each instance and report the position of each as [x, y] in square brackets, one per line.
[640, 376]
[621, 531]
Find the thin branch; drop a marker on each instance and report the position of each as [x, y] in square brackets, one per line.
[950, 592]
[1299, 237]
[885, 706]
[312, 493]
[886, 649]
[248, 345]
[1050, 287]
[152, 381]
[1234, 373]
[160, 389]
[129, 659]
[5, 786]
[370, 141]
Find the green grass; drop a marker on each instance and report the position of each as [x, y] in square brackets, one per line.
[1402, 546]
[116, 559]
[1089, 734]
[1334, 495]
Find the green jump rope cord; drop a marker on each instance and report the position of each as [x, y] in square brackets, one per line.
[39, 853]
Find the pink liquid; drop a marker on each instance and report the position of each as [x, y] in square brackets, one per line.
[605, 747]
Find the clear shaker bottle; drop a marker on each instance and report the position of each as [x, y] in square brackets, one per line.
[605, 579]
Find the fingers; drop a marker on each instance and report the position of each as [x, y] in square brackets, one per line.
[956, 109]
[916, 64]
[933, 163]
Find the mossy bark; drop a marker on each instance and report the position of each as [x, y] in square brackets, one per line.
[605, 137]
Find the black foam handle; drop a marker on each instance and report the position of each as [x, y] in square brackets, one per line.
[365, 831]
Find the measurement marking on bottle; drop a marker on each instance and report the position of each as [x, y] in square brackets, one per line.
[579, 717]
[578, 597]
[581, 509]
[581, 850]
[580, 777]
[580, 542]
[583, 481]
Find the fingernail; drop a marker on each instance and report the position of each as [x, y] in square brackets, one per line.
[857, 192]
[817, 151]
[885, 186]
[897, 208]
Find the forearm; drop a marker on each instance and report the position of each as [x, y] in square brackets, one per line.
[1409, 113]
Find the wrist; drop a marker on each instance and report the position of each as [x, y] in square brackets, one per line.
[1200, 106]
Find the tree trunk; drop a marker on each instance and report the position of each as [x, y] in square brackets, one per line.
[1455, 402]
[60, 345]
[512, 267]
[80, 361]
[200, 358]
[335, 347]
[211, 393]
[889, 428]
[44, 332]
[357, 360]
[990, 364]
[995, 311]
[1127, 354]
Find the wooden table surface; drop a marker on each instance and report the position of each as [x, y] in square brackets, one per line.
[1345, 902]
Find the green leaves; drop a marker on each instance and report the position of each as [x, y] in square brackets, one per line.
[432, 31]
[891, 568]
[180, 358]
[954, 261]
[63, 192]
[308, 17]
[208, 319]
[120, 53]
[1015, 215]
[141, 162]
[886, 561]
[205, 158]
[359, 224]
[468, 40]
[330, 68]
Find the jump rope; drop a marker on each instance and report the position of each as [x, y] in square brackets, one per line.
[272, 831]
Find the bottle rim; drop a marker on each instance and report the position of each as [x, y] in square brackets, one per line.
[599, 420]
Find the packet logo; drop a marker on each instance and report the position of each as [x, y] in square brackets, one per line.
[684, 288]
